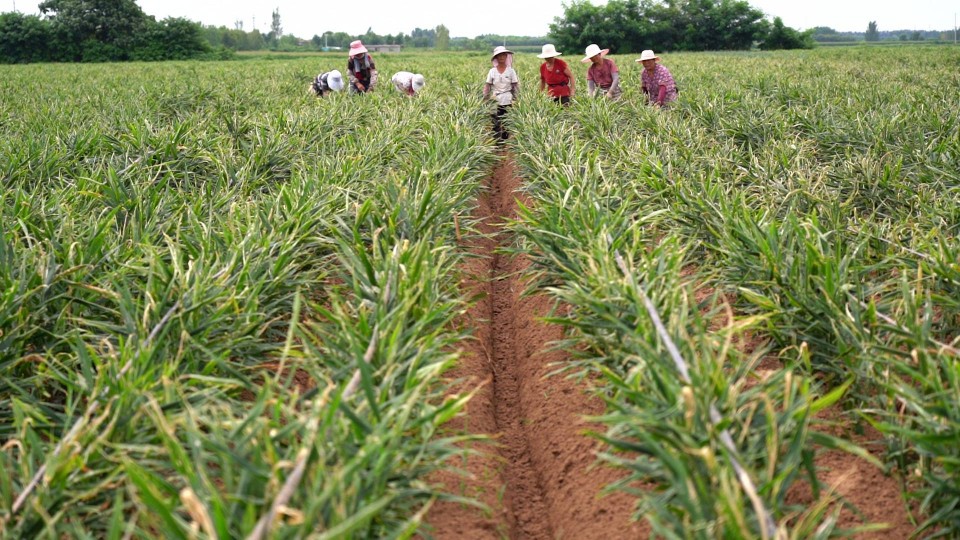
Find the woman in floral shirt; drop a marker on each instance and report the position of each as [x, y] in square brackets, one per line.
[658, 84]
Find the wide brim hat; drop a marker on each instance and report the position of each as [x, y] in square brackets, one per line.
[592, 50]
[418, 82]
[356, 47]
[335, 81]
[500, 49]
[549, 51]
[647, 55]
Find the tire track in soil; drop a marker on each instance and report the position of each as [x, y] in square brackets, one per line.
[540, 480]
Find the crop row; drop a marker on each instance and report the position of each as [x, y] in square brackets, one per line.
[807, 201]
[226, 308]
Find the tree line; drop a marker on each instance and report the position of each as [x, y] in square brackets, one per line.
[826, 34]
[629, 26]
[97, 31]
[118, 30]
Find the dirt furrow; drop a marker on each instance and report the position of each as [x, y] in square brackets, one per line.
[540, 481]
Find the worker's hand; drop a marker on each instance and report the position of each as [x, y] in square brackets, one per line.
[610, 93]
[361, 87]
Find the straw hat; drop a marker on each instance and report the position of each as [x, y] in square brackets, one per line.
[549, 51]
[648, 55]
[356, 47]
[335, 81]
[418, 82]
[500, 50]
[592, 50]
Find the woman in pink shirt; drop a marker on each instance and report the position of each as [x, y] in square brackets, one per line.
[658, 83]
[602, 73]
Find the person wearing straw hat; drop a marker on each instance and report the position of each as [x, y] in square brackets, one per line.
[361, 69]
[502, 85]
[555, 75]
[602, 73]
[657, 82]
[408, 83]
[331, 81]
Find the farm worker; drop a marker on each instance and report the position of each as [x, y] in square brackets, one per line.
[555, 75]
[331, 81]
[602, 73]
[408, 83]
[657, 82]
[502, 85]
[361, 69]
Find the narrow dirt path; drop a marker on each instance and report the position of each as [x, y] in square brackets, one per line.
[540, 480]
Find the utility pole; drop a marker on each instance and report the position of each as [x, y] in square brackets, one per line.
[954, 27]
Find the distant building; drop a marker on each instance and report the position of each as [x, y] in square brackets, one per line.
[383, 48]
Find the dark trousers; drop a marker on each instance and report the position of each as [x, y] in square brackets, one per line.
[563, 100]
[499, 127]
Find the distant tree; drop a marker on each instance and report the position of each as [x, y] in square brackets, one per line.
[171, 39]
[317, 42]
[916, 36]
[23, 38]
[238, 24]
[276, 29]
[904, 37]
[582, 22]
[633, 25]
[443, 38]
[94, 30]
[784, 37]
[872, 33]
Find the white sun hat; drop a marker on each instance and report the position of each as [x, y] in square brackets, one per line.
[592, 50]
[500, 50]
[418, 82]
[648, 55]
[549, 51]
[335, 81]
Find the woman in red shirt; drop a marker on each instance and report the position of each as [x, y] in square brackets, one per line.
[555, 76]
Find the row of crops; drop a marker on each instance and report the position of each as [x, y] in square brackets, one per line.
[811, 200]
[226, 307]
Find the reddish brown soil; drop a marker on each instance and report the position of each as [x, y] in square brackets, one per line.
[540, 480]
[875, 496]
[301, 379]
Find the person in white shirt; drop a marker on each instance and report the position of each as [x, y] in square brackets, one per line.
[502, 85]
[407, 83]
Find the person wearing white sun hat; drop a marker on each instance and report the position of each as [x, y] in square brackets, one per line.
[361, 69]
[657, 82]
[555, 75]
[602, 73]
[408, 83]
[331, 81]
[502, 85]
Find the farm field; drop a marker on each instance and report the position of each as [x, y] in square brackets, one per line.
[231, 310]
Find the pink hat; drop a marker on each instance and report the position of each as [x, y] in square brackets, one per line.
[357, 48]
